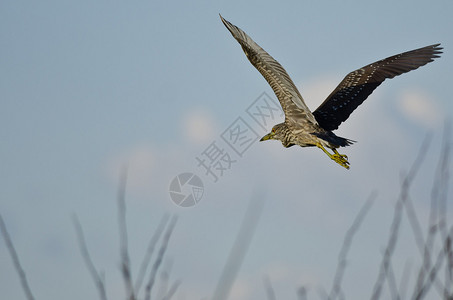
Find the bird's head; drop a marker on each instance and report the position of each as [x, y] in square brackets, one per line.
[278, 132]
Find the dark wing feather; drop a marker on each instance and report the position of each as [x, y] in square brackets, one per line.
[359, 84]
[290, 99]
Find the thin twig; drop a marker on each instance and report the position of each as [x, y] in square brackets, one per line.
[87, 259]
[342, 257]
[302, 293]
[269, 290]
[405, 280]
[122, 228]
[437, 218]
[171, 292]
[394, 228]
[159, 258]
[425, 248]
[448, 292]
[239, 249]
[440, 189]
[422, 288]
[15, 258]
[164, 279]
[149, 252]
[388, 251]
[391, 282]
[443, 179]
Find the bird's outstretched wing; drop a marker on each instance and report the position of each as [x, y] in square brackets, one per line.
[359, 84]
[290, 99]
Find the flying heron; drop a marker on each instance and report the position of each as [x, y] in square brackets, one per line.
[305, 128]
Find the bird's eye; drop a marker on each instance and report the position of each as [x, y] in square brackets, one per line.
[273, 130]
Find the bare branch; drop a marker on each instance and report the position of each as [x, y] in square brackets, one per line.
[341, 295]
[397, 215]
[122, 228]
[239, 249]
[15, 258]
[440, 191]
[448, 292]
[149, 252]
[98, 281]
[441, 182]
[171, 292]
[405, 280]
[159, 258]
[342, 257]
[164, 279]
[268, 286]
[425, 248]
[302, 293]
[437, 217]
[422, 288]
[391, 282]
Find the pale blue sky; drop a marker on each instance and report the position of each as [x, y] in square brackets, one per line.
[87, 86]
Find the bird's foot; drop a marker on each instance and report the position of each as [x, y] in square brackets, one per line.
[340, 159]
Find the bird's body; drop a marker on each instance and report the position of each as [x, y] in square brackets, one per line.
[304, 128]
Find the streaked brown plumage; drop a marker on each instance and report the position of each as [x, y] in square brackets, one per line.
[304, 128]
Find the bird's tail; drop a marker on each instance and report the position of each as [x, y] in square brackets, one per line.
[334, 140]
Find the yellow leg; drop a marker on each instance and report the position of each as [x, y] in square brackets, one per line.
[340, 159]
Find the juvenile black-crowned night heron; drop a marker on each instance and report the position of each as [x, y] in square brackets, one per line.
[304, 128]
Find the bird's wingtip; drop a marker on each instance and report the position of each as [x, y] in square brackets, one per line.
[225, 22]
[437, 47]
[437, 50]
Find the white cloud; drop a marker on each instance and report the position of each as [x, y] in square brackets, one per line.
[198, 126]
[420, 107]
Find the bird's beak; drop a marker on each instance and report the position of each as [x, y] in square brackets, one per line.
[266, 137]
